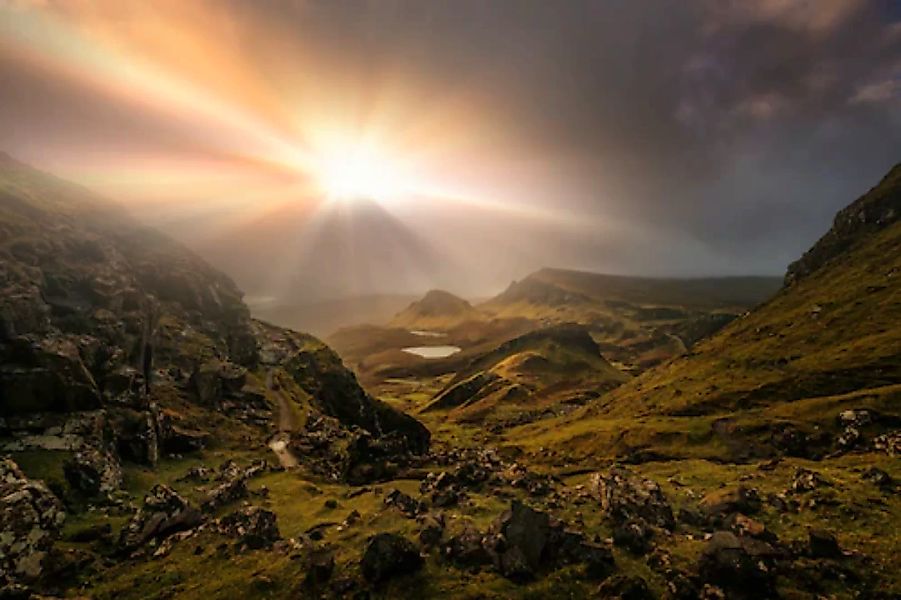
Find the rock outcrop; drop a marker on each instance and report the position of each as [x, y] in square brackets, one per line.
[164, 513]
[30, 521]
[877, 209]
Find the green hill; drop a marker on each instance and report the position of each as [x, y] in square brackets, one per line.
[829, 340]
[529, 375]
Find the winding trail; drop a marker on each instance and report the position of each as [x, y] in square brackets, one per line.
[286, 424]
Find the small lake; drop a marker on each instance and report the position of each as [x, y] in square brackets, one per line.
[432, 351]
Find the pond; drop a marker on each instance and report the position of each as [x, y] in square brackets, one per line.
[432, 351]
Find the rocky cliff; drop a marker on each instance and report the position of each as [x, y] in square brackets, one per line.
[112, 335]
[876, 210]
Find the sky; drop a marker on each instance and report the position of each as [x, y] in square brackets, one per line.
[316, 149]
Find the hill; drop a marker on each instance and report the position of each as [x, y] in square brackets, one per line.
[638, 321]
[528, 376]
[438, 310]
[828, 341]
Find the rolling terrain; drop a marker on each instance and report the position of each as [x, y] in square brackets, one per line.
[637, 322]
[595, 436]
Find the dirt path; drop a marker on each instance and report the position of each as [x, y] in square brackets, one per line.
[286, 424]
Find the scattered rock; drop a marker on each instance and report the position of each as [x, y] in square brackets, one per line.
[93, 472]
[890, 443]
[625, 496]
[742, 525]
[740, 565]
[466, 548]
[404, 503]
[805, 480]
[388, 555]
[879, 477]
[320, 566]
[823, 544]
[30, 521]
[635, 536]
[431, 530]
[254, 526]
[164, 512]
[199, 474]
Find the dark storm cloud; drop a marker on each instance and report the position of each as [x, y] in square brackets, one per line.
[729, 120]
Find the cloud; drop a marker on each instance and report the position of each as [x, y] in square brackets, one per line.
[732, 130]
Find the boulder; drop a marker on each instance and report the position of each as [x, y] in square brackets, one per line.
[225, 493]
[254, 527]
[890, 443]
[177, 439]
[30, 521]
[431, 530]
[389, 555]
[403, 502]
[805, 480]
[740, 565]
[466, 548]
[320, 564]
[136, 434]
[625, 496]
[93, 472]
[635, 536]
[880, 478]
[40, 375]
[163, 513]
[520, 536]
[823, 544]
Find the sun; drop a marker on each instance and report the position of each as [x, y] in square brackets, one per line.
[361, 172]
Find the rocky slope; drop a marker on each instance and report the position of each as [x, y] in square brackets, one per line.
[797, 401]
[117, 344]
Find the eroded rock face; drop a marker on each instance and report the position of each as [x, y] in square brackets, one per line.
[164, 512]
[30, 521]
[877, 209]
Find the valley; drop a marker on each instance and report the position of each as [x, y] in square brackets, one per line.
[577, 435]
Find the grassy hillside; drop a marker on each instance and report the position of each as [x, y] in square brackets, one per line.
[831, 338]
[528, 376]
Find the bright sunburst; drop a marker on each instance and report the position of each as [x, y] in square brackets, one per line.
[361, 172]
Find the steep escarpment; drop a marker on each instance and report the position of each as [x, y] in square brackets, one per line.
[876, 210]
